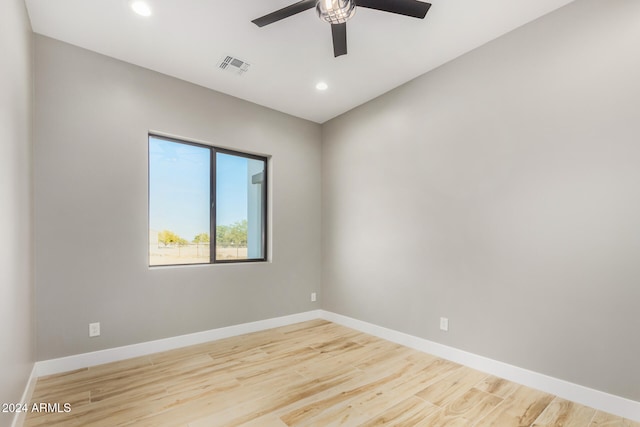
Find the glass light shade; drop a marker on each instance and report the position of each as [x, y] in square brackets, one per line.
[336, 11]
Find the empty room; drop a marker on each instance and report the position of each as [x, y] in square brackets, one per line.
[274, 213]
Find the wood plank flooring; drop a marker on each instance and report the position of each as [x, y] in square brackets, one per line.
[315, 373]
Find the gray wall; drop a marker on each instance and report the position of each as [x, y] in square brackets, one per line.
[92, 117]
[17, 353]
[502, 191]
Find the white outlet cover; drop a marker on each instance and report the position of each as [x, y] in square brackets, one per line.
[94, 329]
[313, 296]
[444, 324]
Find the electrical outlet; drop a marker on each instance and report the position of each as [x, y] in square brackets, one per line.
[313, 296]
[444, 324]
[94, 329]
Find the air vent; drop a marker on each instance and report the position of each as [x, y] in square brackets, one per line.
[234, 65]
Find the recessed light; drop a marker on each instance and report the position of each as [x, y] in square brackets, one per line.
[322, 86]
[141, 8]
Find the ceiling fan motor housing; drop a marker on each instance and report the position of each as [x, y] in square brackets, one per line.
[336, 11]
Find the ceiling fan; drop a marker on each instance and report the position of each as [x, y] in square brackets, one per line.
[338, 12]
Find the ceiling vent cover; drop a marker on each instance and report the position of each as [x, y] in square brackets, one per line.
[234, 65]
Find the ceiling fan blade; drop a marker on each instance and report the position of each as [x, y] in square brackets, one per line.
[413, 8]
[339, 33]
[285, 12]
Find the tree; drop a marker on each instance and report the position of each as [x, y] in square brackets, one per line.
[201, 238]
[233, 235]
[239, 232]
[222, 235]
[181, 242]
[168, 237]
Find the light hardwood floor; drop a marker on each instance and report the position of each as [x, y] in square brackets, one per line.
[315, 373]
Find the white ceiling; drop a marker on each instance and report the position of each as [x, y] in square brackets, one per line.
[187, 38]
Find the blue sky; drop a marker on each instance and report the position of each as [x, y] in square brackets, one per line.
[179, 188]
[231, 191]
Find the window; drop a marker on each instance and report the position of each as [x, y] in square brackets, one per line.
[206, 204]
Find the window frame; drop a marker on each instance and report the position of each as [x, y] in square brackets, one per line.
[213, 151]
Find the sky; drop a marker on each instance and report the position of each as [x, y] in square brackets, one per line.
[179, 188]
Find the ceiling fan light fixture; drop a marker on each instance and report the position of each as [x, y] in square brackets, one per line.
[336, 11]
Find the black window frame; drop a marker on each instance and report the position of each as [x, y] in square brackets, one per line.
[213, 150]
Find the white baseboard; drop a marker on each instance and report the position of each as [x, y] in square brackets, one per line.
[606, 402]
[79, 361]
[20, 417]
